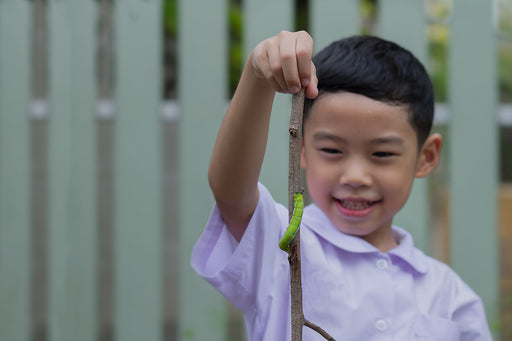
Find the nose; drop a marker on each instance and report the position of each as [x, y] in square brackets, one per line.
[355, 173]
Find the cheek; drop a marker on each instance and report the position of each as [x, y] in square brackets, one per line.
[314, 170]
[397, 183]
[319, 182]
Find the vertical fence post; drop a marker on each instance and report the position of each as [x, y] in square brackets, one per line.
[263, 19]
[202, 88]
[473, 149]
[14, 171]
[403, 21]
[137, 171]
[72, 214]
[332, 20]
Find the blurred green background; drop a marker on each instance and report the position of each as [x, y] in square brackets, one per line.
[104, 187]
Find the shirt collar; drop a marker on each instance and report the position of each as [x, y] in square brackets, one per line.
[407, 252]
[318, 222]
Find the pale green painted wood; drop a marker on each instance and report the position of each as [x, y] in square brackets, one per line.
[14, 171]
[264, 19]
[403, 21]
[203, 90]
[331, 20]
[138, 174]
[72, 165]
[473, 149]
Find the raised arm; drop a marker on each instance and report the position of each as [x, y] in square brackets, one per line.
[279, 64]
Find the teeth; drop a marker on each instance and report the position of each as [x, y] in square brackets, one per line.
[355, 205]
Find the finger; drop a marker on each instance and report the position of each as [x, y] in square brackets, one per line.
[311, 90]
[304, 52]
[261, 63]
[289, 62]
[275, 67]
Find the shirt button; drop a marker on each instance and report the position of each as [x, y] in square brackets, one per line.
[381, 325]
[382, 264]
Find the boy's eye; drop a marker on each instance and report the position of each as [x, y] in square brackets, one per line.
[384, 154]
[331, 151]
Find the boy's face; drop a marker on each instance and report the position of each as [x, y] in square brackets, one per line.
[361, 157]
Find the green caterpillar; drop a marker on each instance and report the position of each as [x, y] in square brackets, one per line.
[293, 228]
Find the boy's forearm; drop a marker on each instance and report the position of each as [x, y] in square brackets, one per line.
[281, 63]
[240, 147]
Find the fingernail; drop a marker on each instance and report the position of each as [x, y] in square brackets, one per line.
[294, 89]
[305, 82]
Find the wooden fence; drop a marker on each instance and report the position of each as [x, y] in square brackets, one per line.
[102, 201]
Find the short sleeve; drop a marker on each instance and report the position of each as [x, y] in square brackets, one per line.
[469, 314]
[242, 271]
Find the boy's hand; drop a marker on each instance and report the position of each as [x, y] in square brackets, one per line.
[284, 64]
[284, 61]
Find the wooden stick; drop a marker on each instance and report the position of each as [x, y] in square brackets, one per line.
[294, 185]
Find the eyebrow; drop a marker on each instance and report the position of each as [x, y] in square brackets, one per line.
[388, 140]
[323, 135]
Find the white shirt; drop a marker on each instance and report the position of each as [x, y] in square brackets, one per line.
[350, 288]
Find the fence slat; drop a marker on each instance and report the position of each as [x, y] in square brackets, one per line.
[71, 183]
[14, 175]
[408, 29]
[279, 16]
[332, 20]
[473, 149]
[202, 88]
[137, 172]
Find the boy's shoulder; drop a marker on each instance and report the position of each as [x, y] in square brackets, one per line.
[442, 274]
[435, 276]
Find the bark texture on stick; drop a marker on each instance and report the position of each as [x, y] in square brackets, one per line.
[294, 185]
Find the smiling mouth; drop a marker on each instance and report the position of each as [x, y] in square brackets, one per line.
[356, 204]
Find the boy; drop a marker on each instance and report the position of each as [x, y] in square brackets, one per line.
[368, 116]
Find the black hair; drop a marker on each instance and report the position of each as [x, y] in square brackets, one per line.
[381, 70]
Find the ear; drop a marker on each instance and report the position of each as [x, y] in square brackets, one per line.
[430, 155]
[302, 155]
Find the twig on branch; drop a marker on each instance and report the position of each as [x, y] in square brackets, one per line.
[294, 185]
[319, 330]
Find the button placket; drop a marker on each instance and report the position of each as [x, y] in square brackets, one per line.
[382, 264]
[381, 325]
